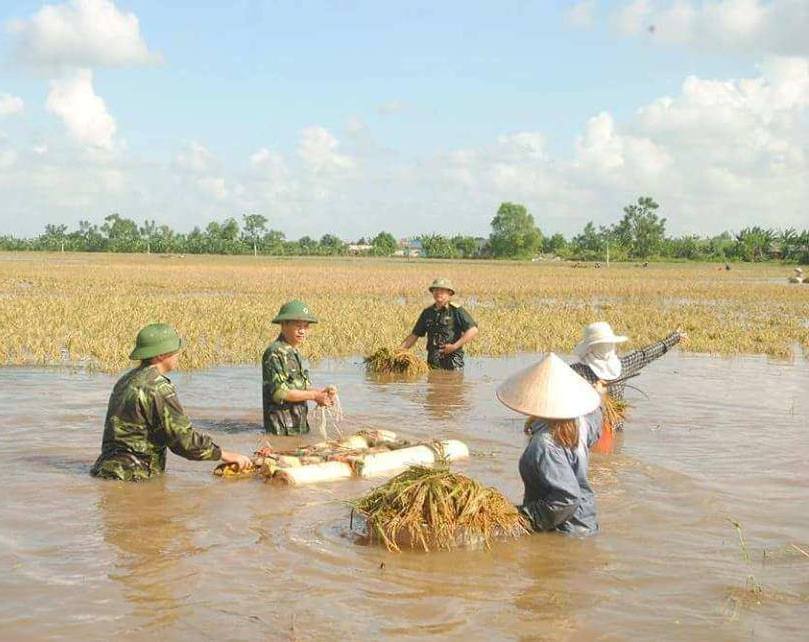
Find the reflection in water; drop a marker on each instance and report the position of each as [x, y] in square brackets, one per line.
[447, 393]
[191, 557]
[146, 525]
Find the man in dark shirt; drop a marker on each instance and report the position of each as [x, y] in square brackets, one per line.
[448, 328]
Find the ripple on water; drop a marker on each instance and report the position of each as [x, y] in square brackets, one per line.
[716, 440]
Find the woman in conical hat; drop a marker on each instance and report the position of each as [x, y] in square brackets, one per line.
[565, 414]
[599, 361]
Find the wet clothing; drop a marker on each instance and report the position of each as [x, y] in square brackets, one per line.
[630, 364]
[283, 369]
[144, 417]
[443, 326]
[558, 496]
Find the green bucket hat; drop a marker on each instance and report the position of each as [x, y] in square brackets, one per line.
[444, 283]
[155, 339]
[294, 311]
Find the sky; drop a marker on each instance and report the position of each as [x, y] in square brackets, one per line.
[415, 117]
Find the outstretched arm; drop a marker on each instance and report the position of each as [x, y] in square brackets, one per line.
[409, 342]
[180, 436]
[635, 361]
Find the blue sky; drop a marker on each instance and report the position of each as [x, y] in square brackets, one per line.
[410, 117]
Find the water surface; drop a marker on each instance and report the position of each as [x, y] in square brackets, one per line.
[193, 557]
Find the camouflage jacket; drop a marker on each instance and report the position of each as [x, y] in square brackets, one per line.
[144, 417]
[442, 326]
[283, 369]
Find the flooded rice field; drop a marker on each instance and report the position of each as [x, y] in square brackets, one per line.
[704, 515]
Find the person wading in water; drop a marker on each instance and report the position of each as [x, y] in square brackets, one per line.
[144, 416]
[599, 361]
[448, 328]
[564, 422]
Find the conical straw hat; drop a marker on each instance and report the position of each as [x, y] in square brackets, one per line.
[550, 389]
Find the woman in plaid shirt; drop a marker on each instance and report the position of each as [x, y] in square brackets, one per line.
[598, 360]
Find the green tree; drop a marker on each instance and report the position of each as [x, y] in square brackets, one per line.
[753, 243]
[122, 234]
[273, 242]
[383, 244]
[332, 245]
[514, 233]
[54, 238]
[255, 225]
[148, 232]
[307, 245]
[641, 231]
[437, 246]
[556, 244]
[465, 246]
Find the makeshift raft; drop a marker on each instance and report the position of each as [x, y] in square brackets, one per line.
[366, 454]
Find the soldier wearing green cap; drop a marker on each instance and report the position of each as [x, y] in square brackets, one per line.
[144, 416]
[448, 328]
[285, 374]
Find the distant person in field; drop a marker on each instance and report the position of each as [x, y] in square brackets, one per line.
[285, 374]
[448, 328]
[144, 416]
[599, 361]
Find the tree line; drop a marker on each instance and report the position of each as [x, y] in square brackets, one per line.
[639, 234]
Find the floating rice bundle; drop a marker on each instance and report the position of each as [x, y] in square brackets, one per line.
[231, 471]
[385, 361]
[434, 508]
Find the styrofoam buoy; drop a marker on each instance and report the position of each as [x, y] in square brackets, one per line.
[313, 473]
[376, 464]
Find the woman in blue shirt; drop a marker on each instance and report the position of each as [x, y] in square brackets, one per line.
[565, 420]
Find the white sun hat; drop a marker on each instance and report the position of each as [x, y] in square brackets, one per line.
[598, 332]
[550, 389]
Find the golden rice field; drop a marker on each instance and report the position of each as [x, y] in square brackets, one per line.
[84, 308]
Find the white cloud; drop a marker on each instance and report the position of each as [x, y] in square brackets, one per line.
[85, 115]
[10, 105]
[391, 107]
[195, 158]
[318, 149]
[777, 27]
[8, 157]
[717, 154]
[81, 33]
[580, 14]
[213, 186]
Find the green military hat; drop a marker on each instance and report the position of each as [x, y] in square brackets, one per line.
[156, 339]
[294, 311]
[444, 283]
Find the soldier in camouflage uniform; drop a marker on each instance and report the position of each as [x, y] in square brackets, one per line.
[144, 416]
[448, 328]
[285, 375]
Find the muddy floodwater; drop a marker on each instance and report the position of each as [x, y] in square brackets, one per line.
[194, 557]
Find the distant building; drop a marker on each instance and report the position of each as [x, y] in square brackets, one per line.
[410, 247]
[360, 248]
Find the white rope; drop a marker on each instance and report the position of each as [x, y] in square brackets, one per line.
[330, 418]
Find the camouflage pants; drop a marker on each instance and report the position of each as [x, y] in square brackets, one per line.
[123, 467]
[287, 419]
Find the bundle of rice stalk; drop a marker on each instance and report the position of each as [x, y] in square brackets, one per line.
[434, 508]
[615, 410]
[231, 471]
[385, 361]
